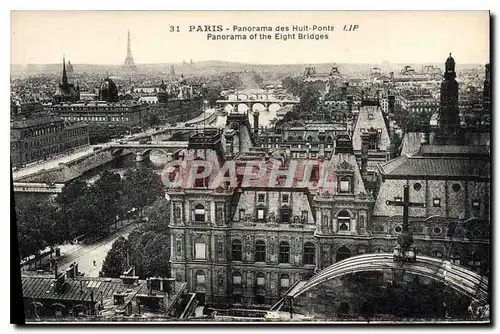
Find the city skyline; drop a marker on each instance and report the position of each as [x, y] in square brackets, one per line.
[402, 34]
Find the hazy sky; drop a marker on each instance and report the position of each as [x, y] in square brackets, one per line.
[101, 37]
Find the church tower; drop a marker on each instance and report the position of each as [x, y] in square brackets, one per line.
[449, 115]
[129, 60]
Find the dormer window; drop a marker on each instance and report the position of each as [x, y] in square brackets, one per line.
[284, 198]
[261, 198]
[370, 116]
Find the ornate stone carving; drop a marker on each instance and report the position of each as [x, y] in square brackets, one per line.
[296, 220]
[177, 213]
[271, 218]
[220, 248]
[179, 276]
[345, 166]
[178, 244]
[219, 214]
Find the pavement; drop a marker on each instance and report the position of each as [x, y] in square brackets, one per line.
[85, 254]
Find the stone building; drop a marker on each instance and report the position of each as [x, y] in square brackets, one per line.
[247, 243]
[42, 137]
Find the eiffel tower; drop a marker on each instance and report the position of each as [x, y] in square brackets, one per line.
[129, 60]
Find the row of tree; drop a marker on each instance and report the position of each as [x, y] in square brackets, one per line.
[83, 209]
[147, 247]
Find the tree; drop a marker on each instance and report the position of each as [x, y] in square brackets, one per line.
[211, 93]
[115, 262]
[158, 215]
[309, 99]
[71, 192]
[38, 226]
[142, 187]
[111, 185]
[150, 253]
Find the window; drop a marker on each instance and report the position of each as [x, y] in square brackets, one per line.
[437, 230]
[417, 186]
[284, 198]
[474, 262]
[260, 214]
[370, 116]
[199, 249]
[455, 258]
[285, 214]
[398, 229]
[315, 173]
[344, 221]
[242, 214]
[284, 252]
[200, 277]
[236, 298]
[236, 247]
[436, 202]
[261, 198]
[456, 187]
[309, 253]
[475, 204]
[236, 278]
[345, 185]
[260, 251]
[261, 279]
[285, 281]
[398, 199]
[199, 213]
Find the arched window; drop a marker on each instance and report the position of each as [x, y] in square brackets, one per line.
[199, 213]
[260, 251]
[236, 250]
[237, 278]
[343, 253]
[344, 221]
[329, 139]
[199, 249]
[285, 281]
[284, 252]
[309, 253]
[200, 278]
[261, 279]
[309, 138]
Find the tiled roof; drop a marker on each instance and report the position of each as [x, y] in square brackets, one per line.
[462, 150]
[437, 166]
[41, 287]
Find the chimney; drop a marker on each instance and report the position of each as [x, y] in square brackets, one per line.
[392, 76]
[365, 138]
[256, 123]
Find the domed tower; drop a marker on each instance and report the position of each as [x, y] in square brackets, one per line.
[449, 112]
[108, 91]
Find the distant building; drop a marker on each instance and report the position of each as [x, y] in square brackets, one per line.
[128, 113]
[67, 92]
[41, 138]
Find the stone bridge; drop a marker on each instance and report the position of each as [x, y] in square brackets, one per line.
[252, 104]
[142, 151]
[452, 275]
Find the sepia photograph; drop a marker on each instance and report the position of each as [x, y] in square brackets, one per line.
[191, 167]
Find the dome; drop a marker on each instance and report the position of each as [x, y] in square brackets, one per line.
[108, 91]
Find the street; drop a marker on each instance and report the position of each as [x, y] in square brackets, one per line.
[84, 255]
